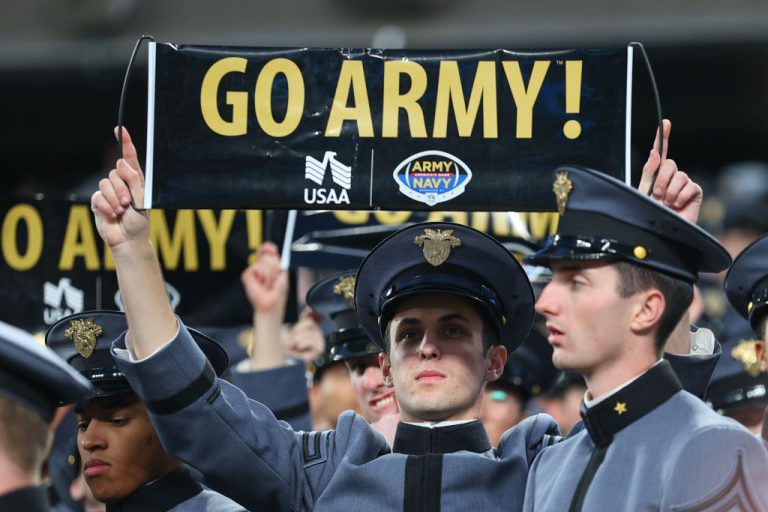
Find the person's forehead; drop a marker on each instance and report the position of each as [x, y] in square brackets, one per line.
[110, 403]
[581, 265]
[439, 304]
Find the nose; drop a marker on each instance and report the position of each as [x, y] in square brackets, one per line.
[429, 347]
[91, 438]
[546, 305]
[373, 378]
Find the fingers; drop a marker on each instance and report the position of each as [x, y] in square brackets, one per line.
[101, 206]
[129, 150]
[689, 193]
[666, 125]
[666, 172]
[649, 170]
[108, 194]
[654, 158]
[130, 178]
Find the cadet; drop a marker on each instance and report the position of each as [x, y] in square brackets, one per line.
[33, 382]
[124, 463]
[444, 302]
[746, 286]
[527, 372]
[623, 267]
[333, 297]
[739, 389]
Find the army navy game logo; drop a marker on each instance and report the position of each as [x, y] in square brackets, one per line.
[341, 175]
[432, 177]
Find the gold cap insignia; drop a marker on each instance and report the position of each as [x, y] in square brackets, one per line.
[84, 333]
[621, 408]
[437, 245]
[750, 306]
[640, 252]
[346, 288]
[745, 353]
[562, 188]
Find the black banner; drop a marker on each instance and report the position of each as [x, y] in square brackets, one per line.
[349, 129]
[53, 262]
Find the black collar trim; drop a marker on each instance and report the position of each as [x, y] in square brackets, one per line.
[163, 494]
[765, 426]
[630, 403]
[27, 499]
[416, 440]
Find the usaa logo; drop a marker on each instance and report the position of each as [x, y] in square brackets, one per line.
[432, 177]
[315, 171]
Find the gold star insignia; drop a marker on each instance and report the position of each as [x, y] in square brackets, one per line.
[83, 332]
[562, 188]
[437, 245]
[621, 408]
[346, 288]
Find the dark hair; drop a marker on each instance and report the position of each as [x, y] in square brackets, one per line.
[490, 337]
[762, 325]
[678, 294]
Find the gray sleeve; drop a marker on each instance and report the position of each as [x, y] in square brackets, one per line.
[719, 468]
[244, 452]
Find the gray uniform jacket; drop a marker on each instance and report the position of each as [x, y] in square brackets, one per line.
[263, 464]
[246, 454]
[652, 446]
[177, 492]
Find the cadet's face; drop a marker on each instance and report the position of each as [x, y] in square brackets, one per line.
[436, 360]
[373, 396]
[502, 410]
[119, 448]
[586, 318]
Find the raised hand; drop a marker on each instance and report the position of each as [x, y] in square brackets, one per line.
[672, 187]
[266, 285]
[305, 340]
[116, 220]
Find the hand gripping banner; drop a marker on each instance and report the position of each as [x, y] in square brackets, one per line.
[361, 129]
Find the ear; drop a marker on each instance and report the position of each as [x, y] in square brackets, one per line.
[762, 356]
[649, 307]
[497, 358]
[386, 369]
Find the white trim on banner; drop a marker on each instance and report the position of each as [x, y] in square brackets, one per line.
[148, 166]
[628, 121]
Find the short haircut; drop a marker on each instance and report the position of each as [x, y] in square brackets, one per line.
[761, 330]
[490, 338]
[678, 295]
[24, 437]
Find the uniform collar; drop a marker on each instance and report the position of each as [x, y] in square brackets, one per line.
[418, 440]
[163, 494]
[630, 403]
[29, 499]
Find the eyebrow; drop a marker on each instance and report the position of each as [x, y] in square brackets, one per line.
[569, 268]
[444, 318]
